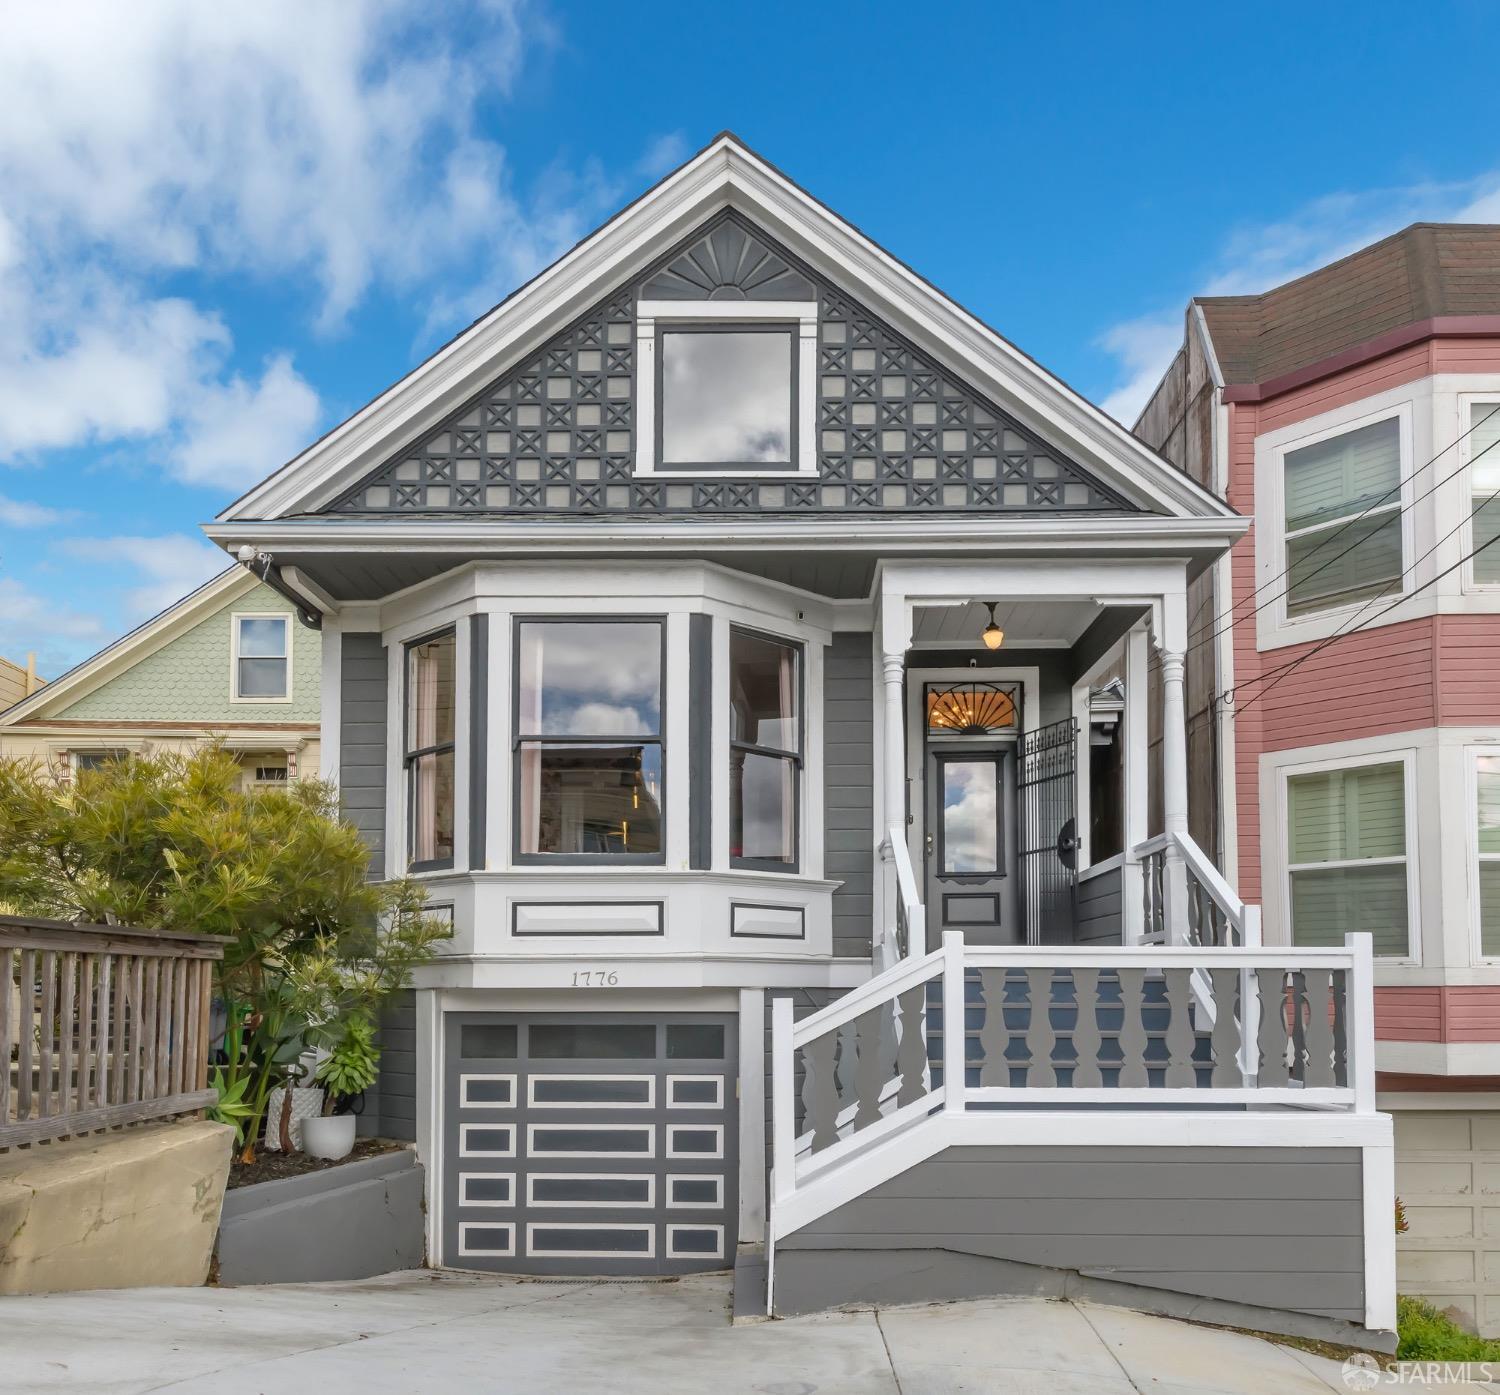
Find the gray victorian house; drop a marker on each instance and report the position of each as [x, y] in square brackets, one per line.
[779, 676]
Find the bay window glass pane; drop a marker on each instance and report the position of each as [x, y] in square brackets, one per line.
[429, 692]
[763, 692]
[1341, 815]
[1484, 481]
[1363, 560]
[726, 397]
[1327, 485]
[432, 807]
[971, 816]
[762, 807]
[593, 800]
[1488, 785]
[1329, 903]
[590, 679]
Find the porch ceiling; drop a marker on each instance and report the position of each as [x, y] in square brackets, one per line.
[1029, 624]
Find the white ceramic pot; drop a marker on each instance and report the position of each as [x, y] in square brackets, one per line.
[329, 1135]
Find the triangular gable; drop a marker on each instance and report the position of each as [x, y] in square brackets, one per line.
[920, 321]
[895, 433]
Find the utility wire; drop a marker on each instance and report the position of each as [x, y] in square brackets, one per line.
[1234, 619]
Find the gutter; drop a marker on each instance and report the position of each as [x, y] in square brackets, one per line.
[263, 565]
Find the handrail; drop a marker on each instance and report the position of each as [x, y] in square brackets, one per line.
[912, 912]
[1212, 914]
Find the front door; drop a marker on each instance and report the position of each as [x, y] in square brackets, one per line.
[970, 842]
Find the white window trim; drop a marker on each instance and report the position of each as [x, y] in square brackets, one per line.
[1471, 795]
[652, 315]
[1274, 627]
[234, 654]
[1467, 401]
[1406, 758]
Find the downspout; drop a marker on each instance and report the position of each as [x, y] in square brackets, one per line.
[263, 565]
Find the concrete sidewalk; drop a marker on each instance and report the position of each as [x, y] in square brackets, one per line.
[458, 1333]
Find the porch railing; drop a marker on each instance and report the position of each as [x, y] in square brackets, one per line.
[1212, 916]
[967, 1029]
[100, 1025]
[911, 916]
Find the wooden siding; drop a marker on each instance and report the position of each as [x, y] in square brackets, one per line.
[1101, 909]
[1467, 686]
[849, 790]
[390, 1109]
[1438, 1013]
[362, 733]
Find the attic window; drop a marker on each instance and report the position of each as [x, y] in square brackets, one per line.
[731, 387]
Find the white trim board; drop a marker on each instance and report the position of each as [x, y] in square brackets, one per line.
[723, 175]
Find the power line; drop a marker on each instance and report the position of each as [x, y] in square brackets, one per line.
[1342, 528]
[1276, 675]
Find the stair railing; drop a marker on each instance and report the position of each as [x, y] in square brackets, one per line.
[1213, 917]
[911, 915]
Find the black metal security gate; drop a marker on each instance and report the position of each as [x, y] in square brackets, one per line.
[1049, 832]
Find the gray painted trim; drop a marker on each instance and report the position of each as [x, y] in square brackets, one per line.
[363, 702]
[479, 727]
[1273, 1228]
[700, 742]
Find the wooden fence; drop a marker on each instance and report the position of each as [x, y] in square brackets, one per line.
[100, 1025]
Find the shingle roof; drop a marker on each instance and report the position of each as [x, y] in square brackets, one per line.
[1423, 272]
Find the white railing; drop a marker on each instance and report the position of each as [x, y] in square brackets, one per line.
[1212, 915]
[1069, 1027]
[909, 937]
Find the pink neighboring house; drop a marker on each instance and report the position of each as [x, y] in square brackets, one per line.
[1353, 783]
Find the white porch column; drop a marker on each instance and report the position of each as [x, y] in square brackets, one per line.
[893, 673]
[1171, 640]
[894, 632]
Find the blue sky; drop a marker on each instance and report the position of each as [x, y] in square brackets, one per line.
[224, 228]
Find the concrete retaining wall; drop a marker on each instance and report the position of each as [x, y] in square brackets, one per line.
[113, 1210]
[345, 1222]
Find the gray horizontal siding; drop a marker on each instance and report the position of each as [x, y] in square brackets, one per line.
[849, 790]
[1101, 905]
[1278, 1228]
[362, 738]
[391, 1106]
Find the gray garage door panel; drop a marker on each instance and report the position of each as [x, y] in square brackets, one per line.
[590, 1143]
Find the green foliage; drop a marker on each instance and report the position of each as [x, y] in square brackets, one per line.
[231, 1107]
[173, 842]
[353, 1061]
[1425, 1334]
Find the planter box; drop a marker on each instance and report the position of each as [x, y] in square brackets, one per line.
[345, 1222]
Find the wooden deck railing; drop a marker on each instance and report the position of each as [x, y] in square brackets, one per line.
[100, 1025]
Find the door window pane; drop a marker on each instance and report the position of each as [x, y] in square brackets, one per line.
[971, 816]
[726, 397]
[695, 1041]
[598, 1041]
[487, 1041]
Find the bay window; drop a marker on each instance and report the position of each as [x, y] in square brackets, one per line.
[588, 744]
[1343, 518]
[429, 750]
[1487, 786]
[1347, 856]
[1484, 482]
[765, 756]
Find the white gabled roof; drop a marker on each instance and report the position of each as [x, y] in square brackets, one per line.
[130, 649]
[724, 174]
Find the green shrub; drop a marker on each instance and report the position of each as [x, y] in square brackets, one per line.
[1424, 1334]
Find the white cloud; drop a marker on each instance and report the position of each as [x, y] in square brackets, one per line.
[159, 570]
[1255, 258]
[166, 144]
[22, 513]
[31, 624]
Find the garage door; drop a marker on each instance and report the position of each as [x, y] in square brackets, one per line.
[590, 1143]
[1448, 1178]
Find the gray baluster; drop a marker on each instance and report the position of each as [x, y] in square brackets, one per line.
[1299, 1026]
[911, 1055]
[1041, 1037]
[1340, 1027]
[868, 1077]
[1132, 1029]
[1273, 1034]
[993, 1036]
[820, 1097]
[1319, 1070]
[1086, 1035]
[1179, 1029]
[1226, 1034]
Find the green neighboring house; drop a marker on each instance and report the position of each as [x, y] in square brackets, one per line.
[230, 663]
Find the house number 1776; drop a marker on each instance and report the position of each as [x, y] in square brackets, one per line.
[595, 978]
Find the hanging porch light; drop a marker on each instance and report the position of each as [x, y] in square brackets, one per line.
[993, 635]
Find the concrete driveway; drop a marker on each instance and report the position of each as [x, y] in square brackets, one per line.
[458, 1333]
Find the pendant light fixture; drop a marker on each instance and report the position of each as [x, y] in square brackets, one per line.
[993, 635]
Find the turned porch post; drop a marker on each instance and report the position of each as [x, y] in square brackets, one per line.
[1174, 795]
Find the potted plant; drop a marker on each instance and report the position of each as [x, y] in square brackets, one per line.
[350, 1068]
